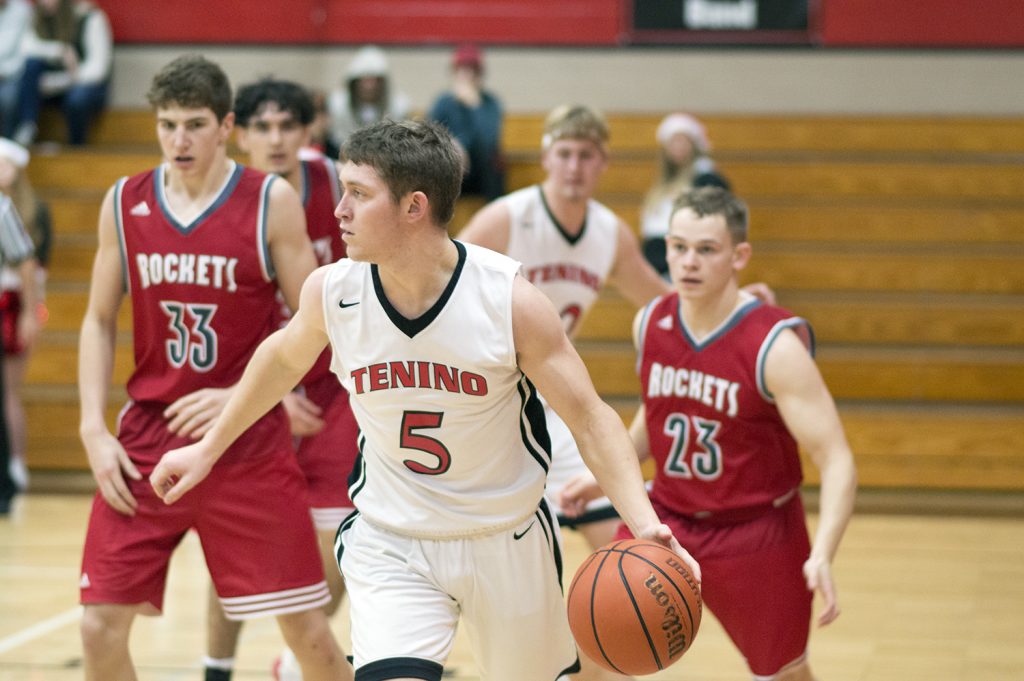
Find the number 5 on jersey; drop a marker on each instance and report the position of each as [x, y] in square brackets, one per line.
[417, 420]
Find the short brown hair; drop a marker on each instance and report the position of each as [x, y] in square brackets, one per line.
[411, 156]
[717, 201]
[191, 81]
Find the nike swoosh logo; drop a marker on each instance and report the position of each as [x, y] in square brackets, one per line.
[342, 304]
[519, 535]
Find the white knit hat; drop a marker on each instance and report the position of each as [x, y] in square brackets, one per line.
[13, 152]
[369, 62]
[688, 125]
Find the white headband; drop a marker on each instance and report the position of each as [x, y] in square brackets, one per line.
[13, 152]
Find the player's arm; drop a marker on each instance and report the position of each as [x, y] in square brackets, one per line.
[810, 415]
[291, 252]
[548, 358]
[631, 274]
[638, 427]
[582, 489]
[96, 342]
[278, 364]
[489, 227]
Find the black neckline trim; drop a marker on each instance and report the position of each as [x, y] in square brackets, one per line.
[411, 327]
[558, 225]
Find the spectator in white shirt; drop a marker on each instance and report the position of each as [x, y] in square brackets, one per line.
[68, 57]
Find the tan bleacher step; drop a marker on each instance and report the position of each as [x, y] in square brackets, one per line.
[816, 179]
[937, 271]
[87, 169]
[55, 360]
[728, 132]
[66, 304]
[958, 447]
[992, 376]
[788, 133]
[117, 127]
[848, 221]
[812, 269]
[74, 213]
[942, 320]
[52, 417]
[831, 221]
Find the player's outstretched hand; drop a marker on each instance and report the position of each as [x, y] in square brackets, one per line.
[110, 464]
[193, 414]
[179, 471]
[818, 573]
[577, 493]
[304, 415]
[663, 535]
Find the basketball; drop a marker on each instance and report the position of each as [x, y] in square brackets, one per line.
[634, 607]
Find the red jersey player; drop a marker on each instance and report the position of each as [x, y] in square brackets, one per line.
[272, 123]
[201, 245]
[730, 392]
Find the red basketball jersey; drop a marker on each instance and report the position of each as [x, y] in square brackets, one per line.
[321, 193]
[203, 294]
[715, 432]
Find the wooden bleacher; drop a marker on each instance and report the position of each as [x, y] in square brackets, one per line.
[900, 238]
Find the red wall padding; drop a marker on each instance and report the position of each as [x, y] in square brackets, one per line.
[843, 23]
[538, 22]
[922, 23]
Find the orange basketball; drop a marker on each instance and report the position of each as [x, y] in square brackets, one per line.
[634, 607]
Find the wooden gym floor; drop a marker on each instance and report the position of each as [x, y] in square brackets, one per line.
[925, 596]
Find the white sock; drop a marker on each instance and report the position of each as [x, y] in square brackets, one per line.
[222, 663]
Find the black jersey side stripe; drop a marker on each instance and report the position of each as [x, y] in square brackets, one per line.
[357, 478]
[547, 522]
[532, 424]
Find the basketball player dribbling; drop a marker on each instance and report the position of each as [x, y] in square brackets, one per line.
[440, 345]
[202, 246]
[730, 395]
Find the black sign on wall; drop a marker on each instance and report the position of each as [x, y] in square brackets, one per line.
[723, 21]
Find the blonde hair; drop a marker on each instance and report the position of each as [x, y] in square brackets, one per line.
[575, 122]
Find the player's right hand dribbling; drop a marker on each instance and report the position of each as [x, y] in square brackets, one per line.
[663, 535]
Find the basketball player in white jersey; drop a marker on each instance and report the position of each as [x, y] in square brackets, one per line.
[570, 245]
[440, 345]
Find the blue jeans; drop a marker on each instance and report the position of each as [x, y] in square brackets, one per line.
[8, 101]
[80, 103]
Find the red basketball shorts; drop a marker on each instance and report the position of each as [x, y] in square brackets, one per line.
[326, 459]
[252, 517]
[753, 580]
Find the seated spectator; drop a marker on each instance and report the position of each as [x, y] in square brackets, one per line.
[15, 17]
[35, 216]
[68, 58]
[474, 116]
[684, 164]
[366, 96]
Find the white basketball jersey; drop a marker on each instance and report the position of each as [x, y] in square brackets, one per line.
[568, 270]
[452, 437]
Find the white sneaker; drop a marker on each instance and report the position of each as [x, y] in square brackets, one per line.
[19, 473]
[286, 667]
